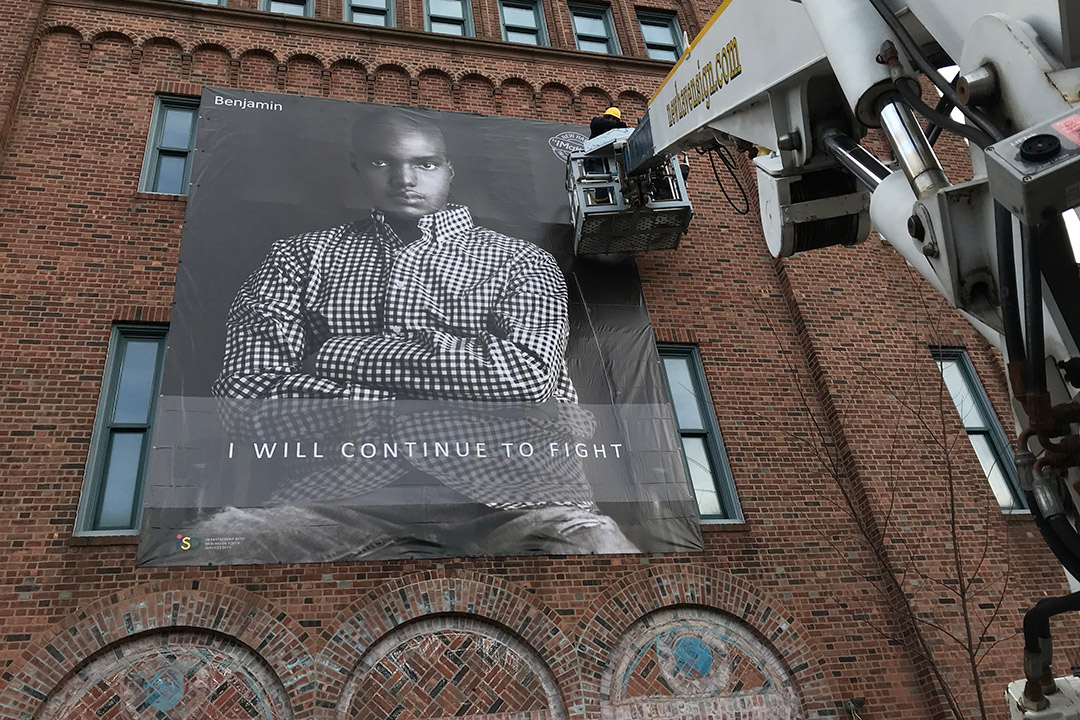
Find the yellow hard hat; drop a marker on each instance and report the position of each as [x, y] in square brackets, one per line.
[613, 111]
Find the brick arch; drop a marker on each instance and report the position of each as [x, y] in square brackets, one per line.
[632, 94]
[638, 594]
[457, 664]
[317, 58]
[556, 101]
[200, 604]
[304, 75]
[348, 79]
[258, 50]
[430, 68]
[632, 103]
[392, 67]
[258, 70]
[478, 76]
[518, 97]
[161, 39]
[56, 27]
[111, 34]
[210, 64]
[391, 85]
[179, 671]
[435, 88]
[349, 61]
[593, 90]
[465, 594]
[512, 79]
[593, 100]
[476, 93]
[214, 46]
[556, 86]
[671, 656]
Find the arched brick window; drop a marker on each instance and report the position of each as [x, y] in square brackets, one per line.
[182, 674]
[694, 663]
[450, 666]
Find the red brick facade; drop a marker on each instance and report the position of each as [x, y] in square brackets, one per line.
[818, 367]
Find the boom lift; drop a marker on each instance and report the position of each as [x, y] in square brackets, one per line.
[807, 79]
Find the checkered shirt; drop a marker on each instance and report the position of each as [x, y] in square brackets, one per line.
[462, 313]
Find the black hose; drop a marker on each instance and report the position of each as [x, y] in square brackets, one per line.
[1010, 303]
[933, 132]
[915, 53]
[943, 107]
[1033, 311]
[913, 97]
[1065, 554]
[729, 165]
[1037, 619]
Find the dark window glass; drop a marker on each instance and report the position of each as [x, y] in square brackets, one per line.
[112, 491]
[371, 12]
[703, 448]
[450, 17]
[289, 7]
[171, 146]
[593, 30]
[661, 34]
[987, 437]
[523, 22]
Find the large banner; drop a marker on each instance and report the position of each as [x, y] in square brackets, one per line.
[382, 346]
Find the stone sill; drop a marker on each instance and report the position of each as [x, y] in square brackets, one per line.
[163, 197]
[723, 527]
[101, 540]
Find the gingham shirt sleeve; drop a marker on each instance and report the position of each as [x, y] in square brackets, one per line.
[266, 342]
[518, 359]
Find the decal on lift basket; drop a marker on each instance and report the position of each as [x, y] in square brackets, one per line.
[1069, 127]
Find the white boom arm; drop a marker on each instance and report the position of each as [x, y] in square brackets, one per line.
[805, 79]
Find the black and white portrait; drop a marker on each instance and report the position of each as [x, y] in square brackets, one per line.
[383, 347]
[412, 300]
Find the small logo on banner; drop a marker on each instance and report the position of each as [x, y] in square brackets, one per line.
[186, 542]
[565, 143]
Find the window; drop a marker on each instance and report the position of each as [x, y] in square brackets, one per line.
[112, 490]
[451, 17]
[706, 461]
[301, 8]
[982, 427]
[370, 12]
[662, 38]
[167, 166]
[523, 22]
[593, 29]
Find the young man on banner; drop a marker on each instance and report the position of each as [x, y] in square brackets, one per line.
[463, 328]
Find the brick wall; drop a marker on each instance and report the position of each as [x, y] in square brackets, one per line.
[814, 365]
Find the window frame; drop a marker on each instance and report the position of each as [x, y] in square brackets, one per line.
[309, 8]
[391, 14]
[467, 19]
[604, 12]
[538, 13]
[668, 18]
[148, 177]
[714, 441]
[994, 432]
[93, 480]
